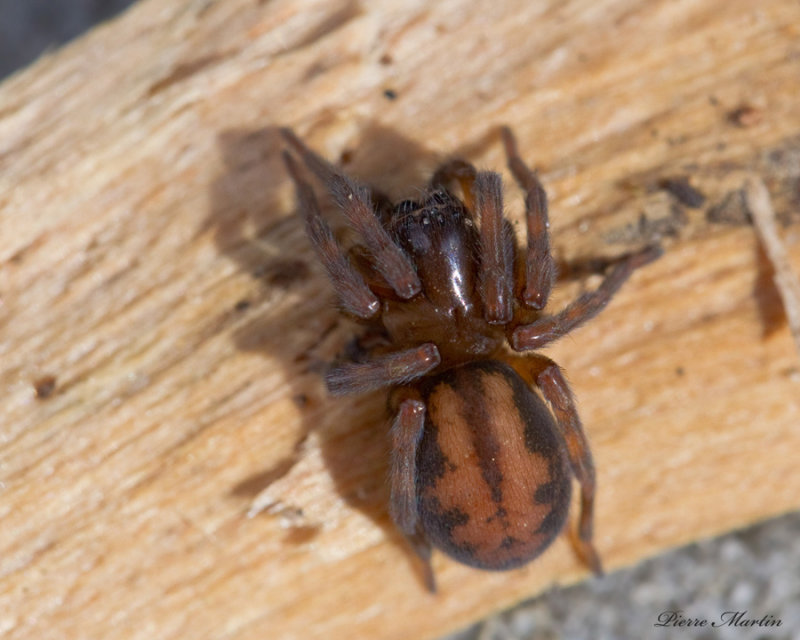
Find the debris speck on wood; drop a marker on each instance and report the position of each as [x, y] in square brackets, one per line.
[746, 116]
[651, 228]
[686, 194]
[732, 210]
[44, 386]
[786, 280]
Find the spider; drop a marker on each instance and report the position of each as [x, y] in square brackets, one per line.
[485, 440]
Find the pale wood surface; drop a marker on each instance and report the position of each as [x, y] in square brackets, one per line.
[143, 202]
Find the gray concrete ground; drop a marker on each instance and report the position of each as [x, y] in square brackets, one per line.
[29, 27]
[756, 571]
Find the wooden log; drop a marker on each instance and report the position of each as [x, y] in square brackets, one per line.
[164, 322]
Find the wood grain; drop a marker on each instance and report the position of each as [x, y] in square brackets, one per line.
[163, 322]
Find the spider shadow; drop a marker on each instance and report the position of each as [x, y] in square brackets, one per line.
[289, 315]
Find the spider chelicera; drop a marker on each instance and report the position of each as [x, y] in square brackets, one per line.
[485, 438]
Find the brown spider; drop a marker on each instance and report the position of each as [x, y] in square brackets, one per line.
[480, 467]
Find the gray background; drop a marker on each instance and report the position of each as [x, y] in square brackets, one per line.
[29, 27]
[757, 570]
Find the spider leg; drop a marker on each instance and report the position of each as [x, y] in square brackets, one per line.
[419, 542]
[406, 434]
[356, 204]
[407, 429]
[556, 391]
[497, 262]
[383, 370]
[460, 171]
[540, 268]
[382, 206]
[483, 193]
[354, 294]
[549, 328]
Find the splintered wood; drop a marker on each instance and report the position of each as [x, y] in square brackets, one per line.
[171, 465]
[785, 278]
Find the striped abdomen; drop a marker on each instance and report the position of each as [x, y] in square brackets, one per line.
[493, 483]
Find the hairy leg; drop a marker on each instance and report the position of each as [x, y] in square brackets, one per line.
[549, 328]
[356, 204]
[406, 434]
[354, 294]
[540, 268]
[383, 370]
[456, 170]
[497, 262]
[556, 391]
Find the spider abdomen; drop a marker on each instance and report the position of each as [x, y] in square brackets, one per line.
[493, 482]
